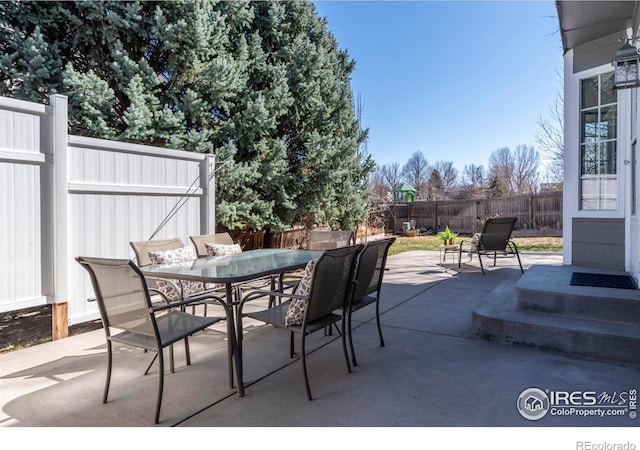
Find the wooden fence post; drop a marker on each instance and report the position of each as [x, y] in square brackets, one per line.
[531, 222]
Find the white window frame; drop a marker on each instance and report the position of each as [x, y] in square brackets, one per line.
[573, 148]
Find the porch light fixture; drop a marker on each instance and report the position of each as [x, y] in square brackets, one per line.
[626, 64]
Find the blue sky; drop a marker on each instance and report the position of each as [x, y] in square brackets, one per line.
[453, 79]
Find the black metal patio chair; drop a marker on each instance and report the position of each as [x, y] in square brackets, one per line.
[326, 240]
[323, 290]
[369, 272]
[125, 305]
[173, 290]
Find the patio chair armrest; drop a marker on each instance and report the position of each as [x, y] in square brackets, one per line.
[260, 294]
[469, 244]
[194, 299]
[160, 293]
[174, 285]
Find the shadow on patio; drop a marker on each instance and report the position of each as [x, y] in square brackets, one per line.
[433, 371]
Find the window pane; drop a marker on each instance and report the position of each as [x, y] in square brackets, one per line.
[607, 93]
[589, 190]
[608, 158]
[608, 188]
[589, 123]
[589, 93]
[589, 160]
[608, 122]
[599, 193]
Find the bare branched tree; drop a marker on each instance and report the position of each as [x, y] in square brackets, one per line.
[525, 170]
[473, 182]
[416, 172]
[501, 166]
[448, 173]
[384, 180]
[474, 176]
[392, 175]
[550, 136]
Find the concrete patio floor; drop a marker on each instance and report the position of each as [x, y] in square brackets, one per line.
[433, 371]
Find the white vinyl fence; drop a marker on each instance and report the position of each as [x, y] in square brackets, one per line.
[64, 196]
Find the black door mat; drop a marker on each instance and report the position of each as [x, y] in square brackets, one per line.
[602, 280]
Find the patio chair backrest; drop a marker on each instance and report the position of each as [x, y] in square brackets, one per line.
[327, 240]
[370, 267]
[142, 248]
[121, 293]
[332, 281]
[217, 238]
[496, 233]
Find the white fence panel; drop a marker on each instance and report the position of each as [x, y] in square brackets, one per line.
[20, 221]
[119, 193]
[66, 196]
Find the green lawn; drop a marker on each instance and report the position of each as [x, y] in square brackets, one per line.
[528, 244]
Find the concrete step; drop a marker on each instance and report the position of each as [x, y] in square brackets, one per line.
[498, 319]
[547, 289]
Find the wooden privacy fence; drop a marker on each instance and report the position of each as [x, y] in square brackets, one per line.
[298, 237]
[537, 214]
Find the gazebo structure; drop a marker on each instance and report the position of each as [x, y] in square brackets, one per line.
[404, 193]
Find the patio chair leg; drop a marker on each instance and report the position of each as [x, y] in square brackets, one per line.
[515, 248]
[151, 363]
[353, 353]
[292, 350]
[344, 346]
[160, 385]
[109, 363]
[272, 285]
[239, 367]
[378, 321]
[495, 257]
[481, 266]
[304, 367]
[156, 357]
[186, 351]
[230, 347]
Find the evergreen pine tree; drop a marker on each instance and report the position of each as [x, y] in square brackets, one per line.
[263, 85]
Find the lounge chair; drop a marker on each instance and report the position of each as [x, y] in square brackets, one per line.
[494, 240]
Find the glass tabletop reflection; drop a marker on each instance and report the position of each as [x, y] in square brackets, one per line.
[236, 267]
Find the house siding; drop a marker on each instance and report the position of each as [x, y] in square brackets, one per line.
[599, 243]
[596, 53]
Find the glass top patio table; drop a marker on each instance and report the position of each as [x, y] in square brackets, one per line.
[236, 267]
[231, 269]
